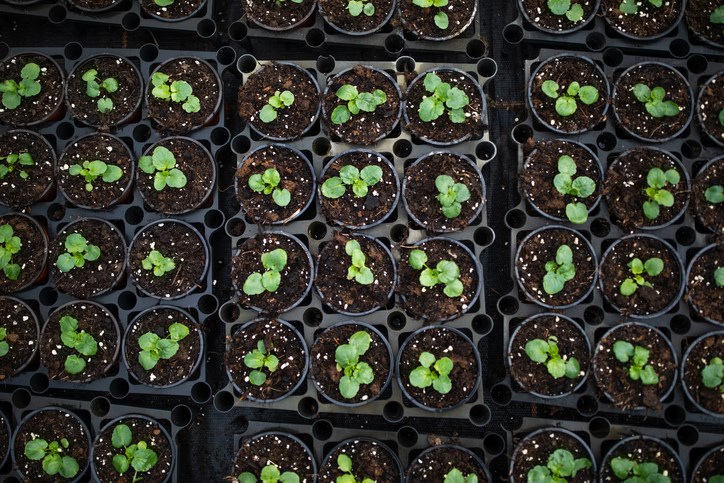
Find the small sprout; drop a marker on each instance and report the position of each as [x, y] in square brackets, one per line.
[54, 463]
[356, 102]
[719, 277]
[561, 465]
[4, 346]
[717, 15]
[258, 359]
[559, 271]
[269, 474]
[268, 183]
[446, 273]
[13, 162]
[281, 3]
[566, 103]
[273, 262]
[433, 372]
[29, 86]
[279, 100]
[712, 375]
[580, 187]
[714, 194]
[654, 101]
[457, 476]
[91, 170]
[442, 96]
[451, 195]
[94, 85]
[721, 117]
[631, 7]
[158, 263]
[440, 19]
[653, 267]
[358, 271]
[717, 479]
[135, 455]
[573, 12]
[9, 246]
[344, 463]
[657, 180]
[163, 163]
[82, 342]
[357, 7]
[638, 357]
[176, 91]
[78, 251]
[359, 180]
[632, 471]
[356, 372]
[163, 3]
[154, 348]
[546, 353]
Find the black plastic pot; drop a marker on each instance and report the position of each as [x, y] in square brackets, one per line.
[623, 33]
[720, 321]
[577, 27]
[50, 181]
[43, 269]
[456, 32]
[154, 15]
[650, 441]
[718, 78]
[281, 436]
[352, 441]
[692, 397]
[76, 5]
[342, 30]
[714, 454]
[6, 424]
[34, 353]
[435, 449]
[272, 28]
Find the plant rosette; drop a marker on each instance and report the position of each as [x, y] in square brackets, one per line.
[177, 175]
[139, 446]
[559, 16]
[351, 363]
[635, 366]
[555, 267]
[702, 373]
[271, 374]
[278, 16]
[643, 19]
[96, 171]
[285, 452]
[104, 91]
[641, 276]
[552, 453]
[168, 259]
[27, 168]
[94, 6]
[361, 105]
[705, 284]
[709, 465]
[438, 368]
[437, 19]
[31, 89]
[705, 18]
[569, 94]
[358, 189]
[172, 10]
[51, 439]
[706, 196]
[281, 101]
[652, 102]
[710, 107]
[431, 291]
[357, 17]
[171, 354]
[634, 452]
[264, 200]
[272, 272]
[438, 464]
[364, 460]
[562, 180]
[183, 94]
[351, 284]
[23, 252]
[21, 331]
[549, 355]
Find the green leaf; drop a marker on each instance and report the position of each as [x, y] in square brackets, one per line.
[348, 387]
[664, 198]
[622, 467]
[583, 186]
[588, 94]
[178, 331]
[361, 341]
[552, 283]
[282, 197]
[74, 364]
[256, 183]
[30, 71]
[121, 436]
[253, 284]
[274, 260]
[346, 355]
[35, 449]
[576, 213]
[556, 367]
[453, 210]
[347, 92]
[428, 278]
[120, 463]
[575, 14]
[12, 272]
[431, 80]
[112, 173]
[717, 17]
[52, 464]
[443, 366]
[559, 7]
[192, 104]
[573, 89]
[447, 271]
[657, 94]
[430, 109]
[176, 178]
[654, 266]
[537, 350]
[105, 105]
[712, 375]
[87, 345]
[550, 88]
[442, 384]
[363, 373]
[344, 463]
[573, 368]
[566, 106]
[441, 20]
[649, 376]
[340, 115]
[92, 88]
[623, 350]
[271, 280]
[564, 254]
[254, 360]
[144, 459]
[371, 174]
[257, 378]
[641, 91]
[719, 276]
[714, 194]
[456, 99]
[417, 259]
[566, 165]
[366, 102]
[65, 262]
[426, 359]
[333, 188]
[267, 113]
[539, 474]
[453, 289]
[110, 85]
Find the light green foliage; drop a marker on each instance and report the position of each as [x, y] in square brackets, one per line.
[432, 372]
[269, 474]
[54, 462]
[638, 357]
[714, 194]
[260, 359]
[580, 187]
[94, 85]
[658, 180]
[442, 96]
[441, 20]
[559, 271]
[457, 476]
[358, 271]
[719, 277]
[451, 195]
[546, 352]
[652, 267]
[357, 7]
[712, 375]
[356, 372]
[721, 117]
[13, 162]
[573, 12]
[155, 348]
[717, 479]
[135, 455]
[176, 91]
[78, 251]
[344, 463]
[162, 162]
[717, 15]
[4, 346]
[158, 263]
[281, 3]
[446, 273]
[268, 183]
[359, 180]
[630, 471]
[561, 465]
[29, 86]
[655, 102]
[9, 246]
[82, 342]
[92, 170]
[630, 7]
[356, 102]
[279, 100]
[273, 262]
[566, 104]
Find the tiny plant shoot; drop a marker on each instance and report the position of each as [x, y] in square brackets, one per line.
[281, 3]
[654, 100]
[658, 180]
[579, 187]
[566, 103]
[638, 357]
[631, 7]
[15, 162]
[451, 195]
[546, 352]
[279, 100]
[356, 372]
[717, 15]
[268, 183]
[78, 251]
[433, 372]
[712, 375]
[344, 463]
[29, 86]
[4, 346]
[573, 12]
[163, 3]
[441, 20]
[561, 465]
[442, 97]
[446, 273]
[273, 263]
[94, 85]
[357, 7]
[258, 360]
[162, 162]
[559, 271]
[269, 474]
[652, 267]
[82, 342]
[176, 91]
[457, 476]
[358, 271]
[9, 246]
[629, 470]
[356, 102]
[154, 348]
[359, 180]
[158, 263]
[135, 455]
[92, 170]
[55, 461]
[721, 117]
[714, 194]
[719, 277]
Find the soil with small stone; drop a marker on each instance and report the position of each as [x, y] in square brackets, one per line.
[710, 104]
[612, 375]
[275, 15]
[31, 257]
[534, 450]
[434, 465]
[709, 467]
[337, 15]
[700, 356]
[421, 21]
[369, 460]
[286, 453]
[642, 450]
[698, 13]
[22, 334]
[292, 121]
[538, 13]
[35, 109]
[534, 377]
[703, 293]
[16, 191]
[280, 341]
[179, 9]
[650, 21]
[710, 215]
[93, 4]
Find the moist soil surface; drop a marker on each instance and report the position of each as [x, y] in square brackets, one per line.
[369, 460]
[280, 341]
[434, 465]
[699, 357]
[179, 9]
[166, 371]
[534, 450]
[711, 466]
[324, 367]
[612, 375]
[646, 300]
[296, 176]
[541, 168]
[648, 22]
[431, 304]
[644, 451]
[349, 210]
[703, 293]
[32, 254]
[534, 377]
[16, 191]
[337, 15]
[348, 296]
[365, 127]
[296, 276]
[564, 71]
[710, 215]
[632, 114]
[538, 13]
[421, 21]
[175, 241]
[291, 121]
[22, 335]
[421, 194]
[101, 147]
[196, 163]
[710, 105]
[142, 430]
[126, 99]
[276, 16]
[4, 438]
[625, 188]
[94, 277]
[93, 4]
[286, 453]
[440, 342]
[698, 13]
[36, 108]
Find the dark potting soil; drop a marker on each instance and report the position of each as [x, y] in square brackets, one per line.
[4, 438]
[698, 13]
[296, 176]
[337, 14]
[275, 15]
[703, 293]
[195, 162]
[364, 127]
[434, 465]
[344, 295]
[612, 375]
[643, 450]
[36, 108]
[279, 340]
[166, 371]
[296, 275]
[646, 300]
[324, 367]
[539, 13]
[126, 99]
[709, 214]
[534, 377]
[142, 430]
[22, 336]
[564, 71]
[291, 121]
[32, 254]
[175, 241]
[16, 191]
[534, 450]
[101, 147]
[440, 342]
[280, 450]
[369, 460]
[421, 21]
[648, 22]
[421, 193]
[711, 466]
[541, 168]
[432, 304]
[700, 356]
[93, 4]
[632, 113]
[710, 105]
[625, 188]
[177, 10]
[348, 209]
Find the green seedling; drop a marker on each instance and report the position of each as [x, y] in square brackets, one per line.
[9, 246]
[633, 472]
[712, 375]
[719, 277]
[573, 12]
[432, 372]
[162, 162]
[561, 465]
[658, 180]
[54, 462]
[344, 463]
[359, 180]
[82, 342]
[546, 352]
[356, 372]
[714, 194]
[638, 357]
[717, 479]
[268, 183]
[652, 267]
[655, 101]
[279, 100]
[457, 476]
[358, 271]
[579, 187]
[4, 346]
[446, 273]
[260, 359]
[281, 3]
[176, 91]
[721, 117]
[29, 86]
[442, 96]
[559, 271]
[357, 7]
[158, 263]
[92, 170]
[154, 348]
[94, 85]
[441, 20]
[631, 7]
[273, 262]
[163, 3]
[269, 474]
[717, 15]
[13, 162]
[356, 102]
[78, 251]
[566, 104]
[451, 195]
[135, 455]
